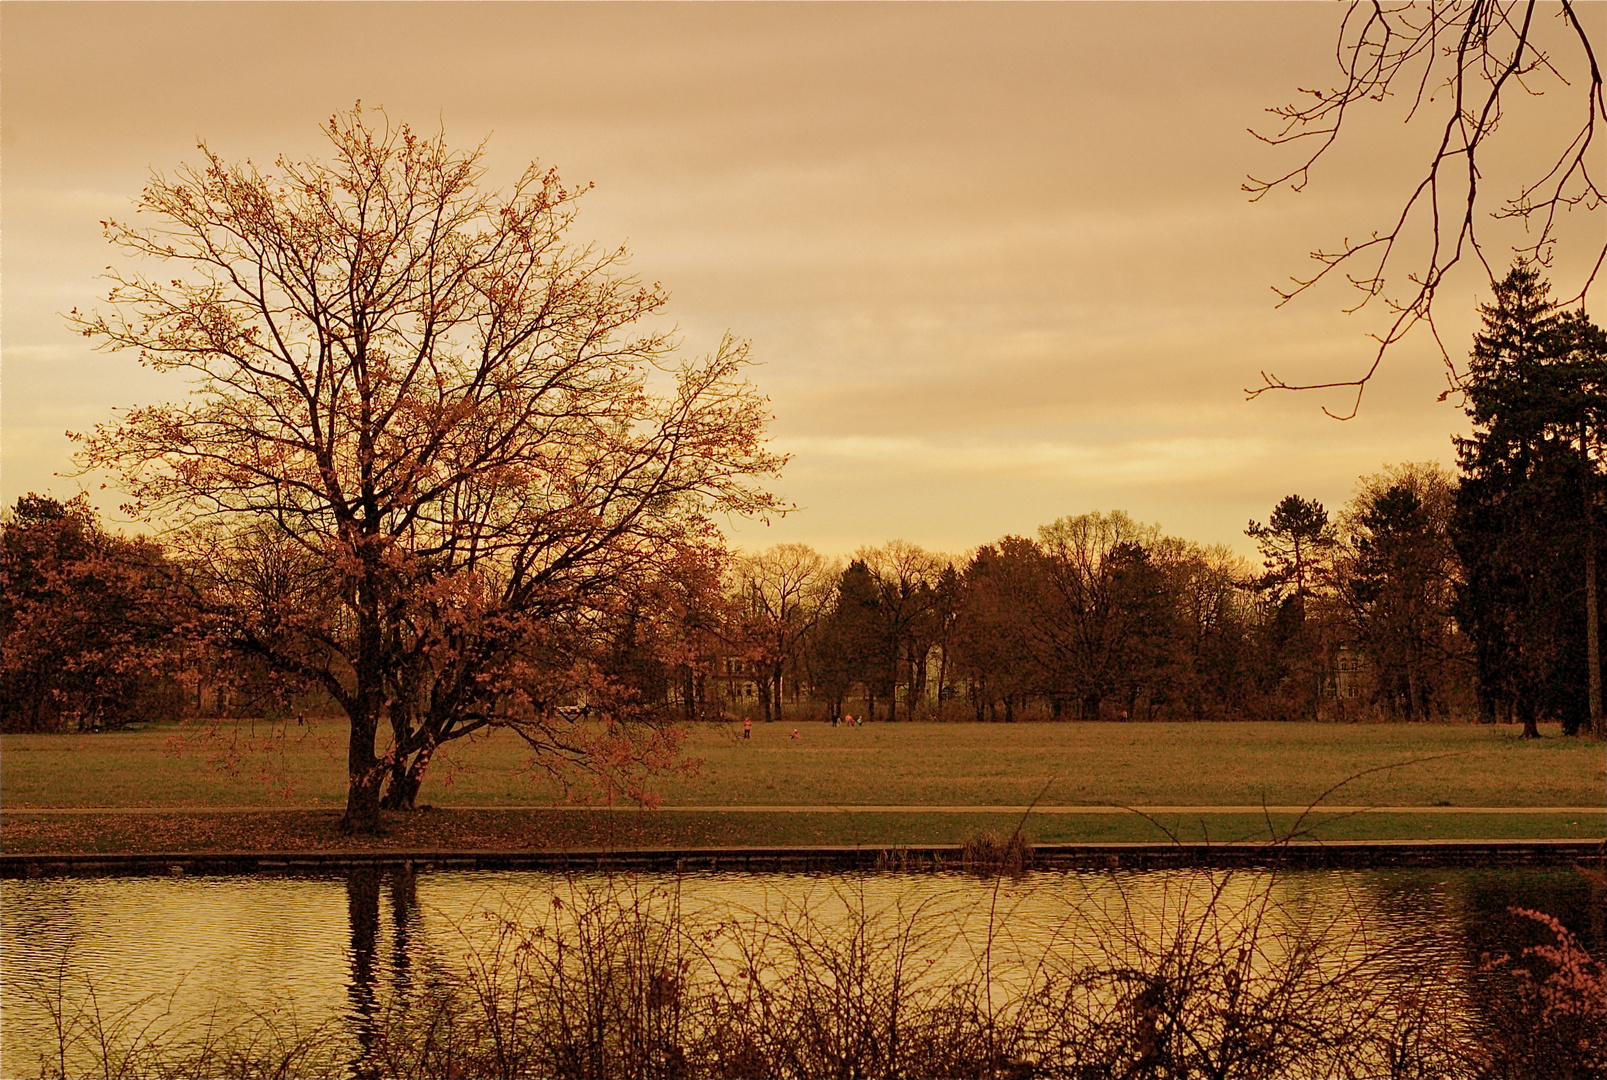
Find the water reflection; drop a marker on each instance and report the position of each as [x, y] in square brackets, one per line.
[362, 911]
[365, 995]
[404, 898]
[352, 947]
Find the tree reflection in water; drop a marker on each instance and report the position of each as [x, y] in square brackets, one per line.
[363, 887]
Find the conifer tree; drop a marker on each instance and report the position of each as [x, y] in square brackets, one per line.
[1527, 506]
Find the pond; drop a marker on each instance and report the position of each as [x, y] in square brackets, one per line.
[141, 965]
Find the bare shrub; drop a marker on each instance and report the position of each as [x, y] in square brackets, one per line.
[989, 854]
[145, 1038]
[1216, 977]
[1549, 1014]
[1213, 974]
[1218, 980]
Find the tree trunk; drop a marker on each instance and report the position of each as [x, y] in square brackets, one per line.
[917, 681]
[761, 685]
[892, 691]
[364, 774]
[1525, 709]
[362, 801]
[1592, 614]
[406, 779]
[397, 795]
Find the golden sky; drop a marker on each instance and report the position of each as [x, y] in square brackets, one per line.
[994, 257]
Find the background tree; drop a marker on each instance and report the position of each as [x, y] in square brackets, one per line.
[87, 622]
[1470, 70]
[849, 646]
[448, 410]
[946, 595]
[1296, 543]
[1398, 574]
[905, 577]
[1214, 618]
[691, 597]
[1103, 614]
[782, 593]
[996, 647]
[1527, 506]
[659, 644]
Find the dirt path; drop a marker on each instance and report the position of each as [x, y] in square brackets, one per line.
[818, 809]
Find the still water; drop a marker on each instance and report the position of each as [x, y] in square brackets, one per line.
[322, 950]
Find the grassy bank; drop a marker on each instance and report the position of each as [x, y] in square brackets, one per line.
[547, 830]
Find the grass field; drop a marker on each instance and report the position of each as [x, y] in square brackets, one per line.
[881, 764]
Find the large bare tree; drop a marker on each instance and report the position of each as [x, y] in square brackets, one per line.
[437, 416]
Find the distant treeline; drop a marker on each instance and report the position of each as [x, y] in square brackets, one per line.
[1101, 618]
[1428, 596]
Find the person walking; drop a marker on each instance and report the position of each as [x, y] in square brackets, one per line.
[747, 728]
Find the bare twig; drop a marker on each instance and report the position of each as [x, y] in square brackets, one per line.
[1468, 59]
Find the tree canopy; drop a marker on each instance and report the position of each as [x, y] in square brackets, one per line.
[87, 621]
[1526, 510]
[427, 439]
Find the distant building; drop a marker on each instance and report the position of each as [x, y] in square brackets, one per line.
[734, 684]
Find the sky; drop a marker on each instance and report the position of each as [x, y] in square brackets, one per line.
[994, 259]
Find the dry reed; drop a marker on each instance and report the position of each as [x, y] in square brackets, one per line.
[1219, 977]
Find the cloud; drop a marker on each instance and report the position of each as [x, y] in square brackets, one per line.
[993, 259]
[1179, 460]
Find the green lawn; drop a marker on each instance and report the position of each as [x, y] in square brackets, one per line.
[886, 764]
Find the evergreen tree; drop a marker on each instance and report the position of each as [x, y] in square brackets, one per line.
[998, 627]
[1398, 581]
[849, 645]
[1527, 507]
[1295, 543]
